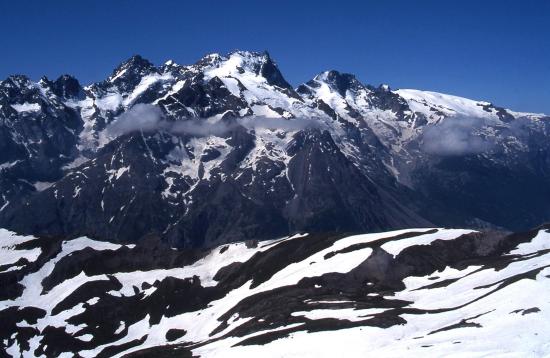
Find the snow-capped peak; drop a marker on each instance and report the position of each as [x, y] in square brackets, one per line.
[134, 66]
[233, 64]
[18, 81]
[339, 82]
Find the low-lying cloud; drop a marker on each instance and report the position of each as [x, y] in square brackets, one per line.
[141, 117]
[455, 136]
[150, 118]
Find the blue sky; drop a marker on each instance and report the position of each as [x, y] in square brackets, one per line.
[493, 50]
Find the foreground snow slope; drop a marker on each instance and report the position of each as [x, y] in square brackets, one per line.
[429, 292]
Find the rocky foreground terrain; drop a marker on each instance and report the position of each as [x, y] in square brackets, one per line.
[413, 292]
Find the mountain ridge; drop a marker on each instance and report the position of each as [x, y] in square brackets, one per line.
[170, 62]
[407, 157]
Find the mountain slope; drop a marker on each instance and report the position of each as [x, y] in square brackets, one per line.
[419, 291]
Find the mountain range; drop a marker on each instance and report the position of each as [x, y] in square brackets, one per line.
[215, 210]
[227, 150]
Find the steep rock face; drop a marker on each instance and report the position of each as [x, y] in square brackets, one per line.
[420, 291]
[349, 200]
[122, 182]
[509, 177]
[37, 136]
[225, 149]
[129, 189]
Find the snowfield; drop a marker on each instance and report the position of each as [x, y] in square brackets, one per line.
[425, 292]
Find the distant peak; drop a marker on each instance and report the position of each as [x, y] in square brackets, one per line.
[334, 75]
[137, 60]
[66, 77]
[271, 72]
[210, 59]
[235, 62]
[249, 54]
[19, 82]
[339, 81]
[170, 66]
[19, 79]
[135, 65]
[246, 58]
[66, 86]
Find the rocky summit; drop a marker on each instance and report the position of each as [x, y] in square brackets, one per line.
[227, 150]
